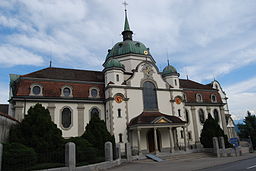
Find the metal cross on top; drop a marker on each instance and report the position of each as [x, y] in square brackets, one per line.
[125, 4]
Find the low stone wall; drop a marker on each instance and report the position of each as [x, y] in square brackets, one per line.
[70, 160]
[6, 122]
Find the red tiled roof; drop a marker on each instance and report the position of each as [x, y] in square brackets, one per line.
[149, 117]
[206, 95]
[8, 116]
[67, 74]
[53, 88]
[194, 85]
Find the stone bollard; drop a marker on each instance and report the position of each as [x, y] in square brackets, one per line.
[70, 156]
[222, 142]
[216, 148]
[1, 154]
[118, 151]
[128, 152]
[108, 151]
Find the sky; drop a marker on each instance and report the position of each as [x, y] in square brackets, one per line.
[203, 39]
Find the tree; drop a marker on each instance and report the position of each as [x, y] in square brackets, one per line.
[248, 128]
[97, 134]
[38, 131]
[212, 129]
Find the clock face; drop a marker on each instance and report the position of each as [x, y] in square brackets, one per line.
[118, 99]
[178, 100]
[145, 52]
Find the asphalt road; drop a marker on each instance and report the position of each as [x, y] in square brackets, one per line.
[192, 162]
[247, 164]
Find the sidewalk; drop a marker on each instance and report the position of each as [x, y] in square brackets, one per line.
[186, 162]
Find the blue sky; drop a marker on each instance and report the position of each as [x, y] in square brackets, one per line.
[204, 39]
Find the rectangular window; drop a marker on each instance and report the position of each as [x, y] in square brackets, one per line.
[120, 138]
[189, 136]
[181, 134]
[117, 78]
[179, 113]
[119, 113]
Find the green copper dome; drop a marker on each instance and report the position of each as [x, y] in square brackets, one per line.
[128, 46]
[113, 63]
[169, 70]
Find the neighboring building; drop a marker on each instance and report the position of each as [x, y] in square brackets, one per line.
[6, 122]
[152, 110]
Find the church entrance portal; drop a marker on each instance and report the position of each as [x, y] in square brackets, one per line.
[151, 141]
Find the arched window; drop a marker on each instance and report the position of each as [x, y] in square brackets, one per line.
[187, 115]
[66, 117]
[216, 115]
[201, 116]
[199, 98]
[95, 113]
[119, 113]
[149, 96]
[66, 91]
[213, 98]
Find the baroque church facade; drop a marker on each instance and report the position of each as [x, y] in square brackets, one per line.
[153, 110]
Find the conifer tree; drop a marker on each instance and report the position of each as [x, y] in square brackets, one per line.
[212, 129]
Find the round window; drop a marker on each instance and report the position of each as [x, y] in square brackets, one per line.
[36, 90]
[214, 99]
[66, 92]
[94, 93]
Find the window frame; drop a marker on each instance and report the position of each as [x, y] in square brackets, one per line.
[199, 116]
[119, 113]
[213, 101]
[145, 92]
[197, 97]
[36, 85]
[62, 91]
[218, 121]
[71, 118]
[90, 112]
[98, 92]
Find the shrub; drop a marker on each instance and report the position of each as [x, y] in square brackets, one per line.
[212, 129]
[18, 157]
[97, 134]
[85, 152]
[39, 132]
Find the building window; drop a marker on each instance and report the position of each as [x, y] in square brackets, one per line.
[187, 115]
[201, 116]
[213, 98]
[117, 78]
[189, 136]
[216, 115]
[120, 138]
[95, 113]
[94, 92]
[199, 98]
[181, 134]
[66, 118]
[175, 82]
[179, 113]
[36, 90]
[66, 91]
[149, 96]
[119, 113]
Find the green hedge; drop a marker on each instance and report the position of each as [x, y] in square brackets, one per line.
[18, 157]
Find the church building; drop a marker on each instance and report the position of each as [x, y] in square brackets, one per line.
[153, 110]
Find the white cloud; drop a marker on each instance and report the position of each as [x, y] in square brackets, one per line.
[4, 90]
[242, 98]
[11, 56]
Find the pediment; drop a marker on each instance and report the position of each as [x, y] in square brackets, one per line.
[161, 120]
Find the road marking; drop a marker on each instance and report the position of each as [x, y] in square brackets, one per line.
[251, 167]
